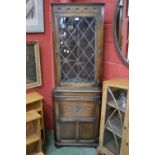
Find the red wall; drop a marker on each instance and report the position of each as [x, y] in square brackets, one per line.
[112, 66]
[46, 55]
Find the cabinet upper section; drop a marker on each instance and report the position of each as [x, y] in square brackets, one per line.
[78, 38]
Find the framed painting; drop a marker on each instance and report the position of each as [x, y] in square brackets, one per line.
[33, 71]
[34, 16]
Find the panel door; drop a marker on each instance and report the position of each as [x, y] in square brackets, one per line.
[77, 121]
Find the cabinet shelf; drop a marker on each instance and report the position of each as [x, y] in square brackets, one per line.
[112, 104]
[110, 144]
[34, 105]
[31, 139]
[31, 116]
[116, 126]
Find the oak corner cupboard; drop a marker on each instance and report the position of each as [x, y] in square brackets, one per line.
[114, 123]
[78, 44]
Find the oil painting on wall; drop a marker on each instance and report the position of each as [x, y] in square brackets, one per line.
[33, 73]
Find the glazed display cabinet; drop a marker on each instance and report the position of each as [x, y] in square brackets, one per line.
[78, 38]
[114, 124]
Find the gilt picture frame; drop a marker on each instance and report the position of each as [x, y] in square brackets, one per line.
[34, 16]
[33, 69]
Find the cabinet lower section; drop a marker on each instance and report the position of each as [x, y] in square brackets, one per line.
[76, 116]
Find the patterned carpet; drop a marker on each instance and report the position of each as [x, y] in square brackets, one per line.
[50, 148]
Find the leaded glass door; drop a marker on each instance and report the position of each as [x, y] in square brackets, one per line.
[78, 45]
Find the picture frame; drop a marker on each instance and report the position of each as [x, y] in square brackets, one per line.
[34, 16]
[33, 69]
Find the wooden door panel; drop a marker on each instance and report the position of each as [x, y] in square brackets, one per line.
[67, 130]
[87, 130]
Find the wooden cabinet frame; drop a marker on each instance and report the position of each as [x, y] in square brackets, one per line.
[121, 83]
[76, 98]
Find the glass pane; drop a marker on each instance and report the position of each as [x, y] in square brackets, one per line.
[114, 120]
[77, 49]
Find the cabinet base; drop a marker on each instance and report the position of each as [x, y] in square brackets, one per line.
[60, 144]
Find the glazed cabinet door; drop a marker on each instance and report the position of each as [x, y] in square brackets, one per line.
[114, 121]
[78, 44]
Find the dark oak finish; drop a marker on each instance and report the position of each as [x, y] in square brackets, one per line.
[77, 116]
[78, 38]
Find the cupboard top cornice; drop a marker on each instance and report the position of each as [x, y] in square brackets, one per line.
[77, 3]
